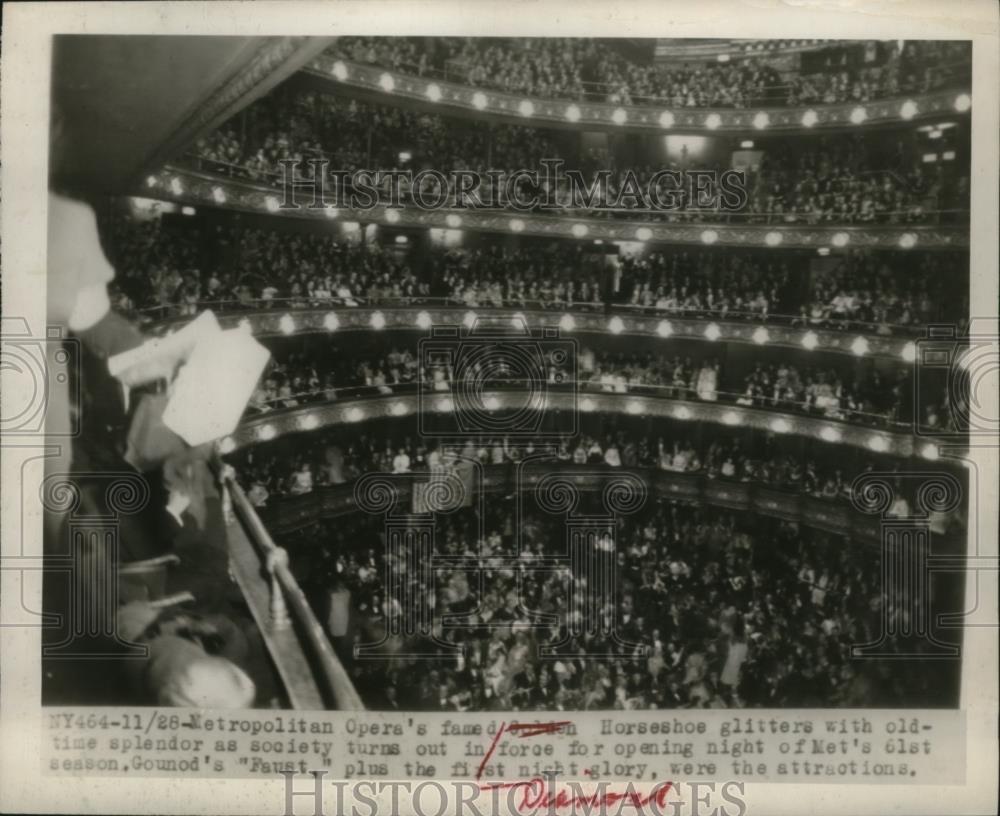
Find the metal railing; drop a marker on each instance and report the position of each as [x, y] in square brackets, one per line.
[288, 610]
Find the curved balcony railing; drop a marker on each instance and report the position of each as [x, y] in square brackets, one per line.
[917, 213]
[287, 316]
[289, 513]
[312, 674]
[769, 95]
[570, 400]
[427, 389]
[456, 71]
[193, 187]
[657, 115]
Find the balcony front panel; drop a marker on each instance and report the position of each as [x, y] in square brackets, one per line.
[195, 188]
[440, 95]
[282, 318]
[273, 424]
[839, 517]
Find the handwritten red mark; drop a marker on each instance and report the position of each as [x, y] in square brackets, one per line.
[537, 729]
[493, 747]
[522, 730]
[535, 795]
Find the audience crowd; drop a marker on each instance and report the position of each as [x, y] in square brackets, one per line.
[333, 456]
[324, 371]
[712, 609]
[589, 69]
[815, 180]
[170, 272]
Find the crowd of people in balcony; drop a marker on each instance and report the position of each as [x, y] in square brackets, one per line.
[325, 372]
[328, 373]
[335, 456]
[713, 609]
[824, 393]
[588, 69]
[166, 273]
[812, 181]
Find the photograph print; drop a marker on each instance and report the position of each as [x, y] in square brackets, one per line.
[499, 374]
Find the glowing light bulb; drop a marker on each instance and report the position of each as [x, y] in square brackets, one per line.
[878, 444]
[830, 434]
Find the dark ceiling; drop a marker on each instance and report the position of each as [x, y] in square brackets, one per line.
[120, 102]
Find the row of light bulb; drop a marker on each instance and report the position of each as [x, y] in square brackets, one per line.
[761, 120]
[761, 336]
[907, 240]
[878, 443]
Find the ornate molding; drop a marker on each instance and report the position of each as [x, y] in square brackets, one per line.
[196, 188]
[450, 97]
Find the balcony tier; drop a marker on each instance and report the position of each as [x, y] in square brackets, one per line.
[392, 87]
[195, 188]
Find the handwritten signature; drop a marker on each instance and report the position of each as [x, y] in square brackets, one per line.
[539, 792]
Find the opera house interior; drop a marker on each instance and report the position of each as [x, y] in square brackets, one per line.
[460, 423]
